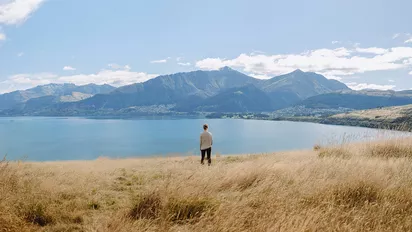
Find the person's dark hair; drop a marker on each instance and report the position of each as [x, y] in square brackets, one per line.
[205, 127]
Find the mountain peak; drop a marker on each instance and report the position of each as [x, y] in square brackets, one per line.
[298, 71]
[226, 68]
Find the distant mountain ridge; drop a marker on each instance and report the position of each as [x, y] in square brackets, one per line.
[223, 90]
[64, 92]
[192, 89]
[293, 87]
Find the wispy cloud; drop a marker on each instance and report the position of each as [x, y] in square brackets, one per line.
[335, 42]
[68, 68]
[184, 64]
[164, 60]
[396, 35]
[356, 86]
[255, 52]
[18, 11]
[158, 61]
[406, 36]
[2, 36]
[391, 81]
[117, 66]
[372, 50]
[20, 54]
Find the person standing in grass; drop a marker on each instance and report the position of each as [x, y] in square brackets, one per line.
[206, 142]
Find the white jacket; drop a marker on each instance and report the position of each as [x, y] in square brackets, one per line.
[206, 140]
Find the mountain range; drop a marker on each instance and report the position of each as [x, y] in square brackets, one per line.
[59, 93]
[223, 90]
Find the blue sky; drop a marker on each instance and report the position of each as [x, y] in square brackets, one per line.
[365, 44]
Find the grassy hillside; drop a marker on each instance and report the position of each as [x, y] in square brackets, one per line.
[396, 117]
[386, 113]
[358, 100]
[363, 187]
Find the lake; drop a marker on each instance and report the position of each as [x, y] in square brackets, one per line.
[48, 139]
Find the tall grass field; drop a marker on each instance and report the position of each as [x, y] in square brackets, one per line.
[345, 187]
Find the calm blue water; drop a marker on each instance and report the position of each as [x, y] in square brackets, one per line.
[40, 139]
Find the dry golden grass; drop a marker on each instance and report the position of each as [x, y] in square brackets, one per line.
[362, 187]
[381, 113]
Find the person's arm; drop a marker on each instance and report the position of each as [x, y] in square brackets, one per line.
[200, 142]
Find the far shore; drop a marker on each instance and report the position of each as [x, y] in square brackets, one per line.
[352, 122]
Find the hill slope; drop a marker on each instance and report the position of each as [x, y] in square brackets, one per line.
[242, 99]
[358, 99]
[386, 113]
[296, 86]
[396, 117]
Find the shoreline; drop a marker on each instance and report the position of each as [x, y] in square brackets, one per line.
[216, 156]
[403, 125]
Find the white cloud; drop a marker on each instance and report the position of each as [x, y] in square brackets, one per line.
[158, 61]
[333, 63]
[2, 36]
[117, 66]
[20, 54]
[408, 40]
[255, 52]
[407, 61]
[410, 73]
[179, 59]
[372, 50]
[17, 11]
[184, 64]
[335, 42]
[396, 35]
[25, 81]
[118, 77]
[334, 77]
[391, 81]
[265, 77]
[211, 63]
[360, 86]
[68, 68]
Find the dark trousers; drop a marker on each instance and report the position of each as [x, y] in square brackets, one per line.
[209, 152]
